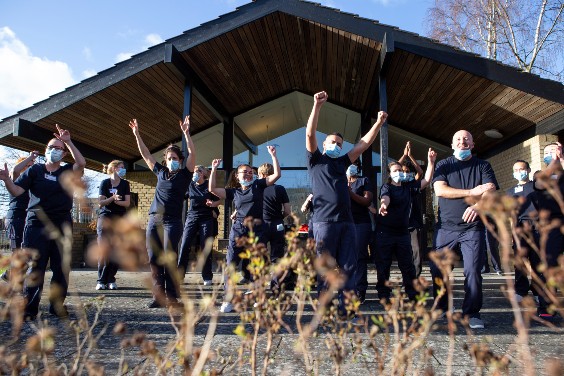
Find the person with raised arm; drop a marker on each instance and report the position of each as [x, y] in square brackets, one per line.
[333, 226]
[248, 200]
[164, 228]
[48, 199]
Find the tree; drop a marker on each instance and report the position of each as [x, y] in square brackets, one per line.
[528, 34]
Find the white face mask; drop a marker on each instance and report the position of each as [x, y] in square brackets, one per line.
[53, 155]
[396, 176]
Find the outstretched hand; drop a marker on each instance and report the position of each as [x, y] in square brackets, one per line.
[382, 116]
[185, 126]
[320, 98]
[134, 126]
[215, 163]
[431, 155]
[63, 135]
[4, 173]
[271, 150]
[407, 149]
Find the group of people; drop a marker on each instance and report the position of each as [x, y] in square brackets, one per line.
[344, 224]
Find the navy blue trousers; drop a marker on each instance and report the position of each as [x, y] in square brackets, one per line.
[14, 230]
[363, 233]
[193, 226]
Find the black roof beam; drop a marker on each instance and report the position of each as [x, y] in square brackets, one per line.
[30, 131]
[242, 136]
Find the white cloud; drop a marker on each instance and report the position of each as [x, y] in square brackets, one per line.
[26, 79]
[153, 39]
[123, 56]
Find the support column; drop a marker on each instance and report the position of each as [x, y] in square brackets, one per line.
[186, 112]
[384, 130]
[228, 127]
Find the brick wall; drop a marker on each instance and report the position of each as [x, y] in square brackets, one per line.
[82, 234]
[143, 184]
[530, 150]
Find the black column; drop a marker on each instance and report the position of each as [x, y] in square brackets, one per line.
[228, 126]
[185, 112]
[384, 130]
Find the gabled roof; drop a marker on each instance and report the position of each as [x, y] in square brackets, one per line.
[269, 48]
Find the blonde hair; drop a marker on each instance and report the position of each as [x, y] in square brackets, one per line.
[204, 169]
[111, 167]
[266, 169]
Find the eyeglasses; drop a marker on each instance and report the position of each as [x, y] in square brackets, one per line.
[51, 147]
[248, 172]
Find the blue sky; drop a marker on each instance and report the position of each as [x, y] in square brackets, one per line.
[46, 46]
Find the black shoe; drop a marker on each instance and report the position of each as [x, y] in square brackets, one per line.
[60, 311]
[5, 276]
[154, 304]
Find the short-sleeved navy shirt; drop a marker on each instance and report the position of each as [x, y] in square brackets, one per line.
[331, 200]
[199, 194]
[543, 200]
[274, 197]
[461, 175]
[416, 217]
[399, 209]
[46, 192]
[169, 194]
[18, 206]
[527, 191]
[248, 202]
[107, 190]
[360, 212]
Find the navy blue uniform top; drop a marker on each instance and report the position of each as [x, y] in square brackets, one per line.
[399, 210]
[543, 200]
[107, 190]
[331, 200]
[360, 212]
[461, 175]
[416, 217]
[46, 192]
[274, 197]
[199, 194]
[169, 194]
[248, 202]
[527, 191]
[18, 206]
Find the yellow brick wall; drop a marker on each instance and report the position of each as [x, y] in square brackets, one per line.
[530, 150]
[143, 184]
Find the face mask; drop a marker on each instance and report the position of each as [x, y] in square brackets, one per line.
[408, 176]
[396, 176]
[353, 170]
[547, 159]
[332, 150]
[520, 175]
[53, 155]
[461, 154]
[121, 172]
[195, 177]
[173, 165]
[246, 183]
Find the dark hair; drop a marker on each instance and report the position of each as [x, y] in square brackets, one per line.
[527, 166]
[390, 170]
[337, 134]
[232, 181]
[175, 149]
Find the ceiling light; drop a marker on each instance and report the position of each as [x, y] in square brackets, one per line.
[493, 133]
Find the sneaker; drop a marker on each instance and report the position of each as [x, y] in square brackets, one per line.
[536, 297]
[226, 307]
[208, 282]
[544, 314]
[5, 276]
[154, 304]
[100, 286]
[476, 323]
[248, 292]
[498, 272]
[519, 298]
[112, 286]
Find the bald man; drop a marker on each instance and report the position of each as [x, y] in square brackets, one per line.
[459, 227]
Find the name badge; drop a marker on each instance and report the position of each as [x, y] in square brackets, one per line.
[519, 189]
[280, 227]
[113, 190]
[50, 177]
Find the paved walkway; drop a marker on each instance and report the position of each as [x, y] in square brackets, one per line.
[128, 305]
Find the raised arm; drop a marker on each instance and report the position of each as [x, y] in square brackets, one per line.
[13, 189]
[65, 137]
[145, 153]
[219, 192]
[407, 154]
[271, 179]
[311, 128]
[20, 167]
[191, 160]
[368, 138]
[431, 158]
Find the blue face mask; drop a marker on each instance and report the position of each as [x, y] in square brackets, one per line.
[121, 172]
[246, 183]
[396, 176]
[173, 165]
[196, 177]
[461, 154]
[353, 170]
[53, 155]
[520, 175]
[332, 150]
[408, 176]
[547, 159]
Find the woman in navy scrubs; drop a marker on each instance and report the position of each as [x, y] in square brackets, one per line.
[114, 199]
[164, 228]
[248, 200]
[47, 197]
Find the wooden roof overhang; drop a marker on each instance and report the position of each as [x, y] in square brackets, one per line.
[269, 48]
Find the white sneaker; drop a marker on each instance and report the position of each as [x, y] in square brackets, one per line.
[476, 323]
[226, 307]
[100, 286]
[112, 286]
[208, 282]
